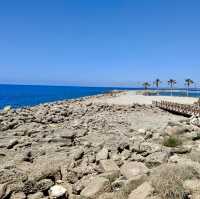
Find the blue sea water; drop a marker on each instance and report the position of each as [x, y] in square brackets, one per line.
[26, 95]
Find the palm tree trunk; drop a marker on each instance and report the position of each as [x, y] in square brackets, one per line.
[171, 90]
[157, 90]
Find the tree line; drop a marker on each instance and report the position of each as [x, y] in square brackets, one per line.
[171, 83]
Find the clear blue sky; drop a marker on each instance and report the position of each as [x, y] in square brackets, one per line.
[98, 41]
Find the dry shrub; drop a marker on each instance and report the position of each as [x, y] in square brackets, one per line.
[172, 141]
[168, 179]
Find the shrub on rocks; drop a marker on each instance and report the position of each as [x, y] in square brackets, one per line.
[172, 141]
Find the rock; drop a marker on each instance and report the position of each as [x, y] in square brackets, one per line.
[11, 174]
[94, 189]
[195, 121]
[142, 131]
[181, 149]
[195, 155]
[123, 145]
[57, 191]
[148, 148]
[175, 130]
[7, 109]
[44, 184]
[102, 154]
[142, 192]
[137, 157]
[46, 168]
[66, 133]
[192, 186]
[125, 154]
[2, 190]
[134, 182]
[109, 166]
[133, 169]
[12, 143]
[118, 184]
[19, 195]
[77, 154]
[38, 195]
[156, 158]
[108, 196]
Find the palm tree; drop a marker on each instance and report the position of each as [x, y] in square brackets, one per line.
[171, 82]
[188, 82]
[146, 85]
[157, 83]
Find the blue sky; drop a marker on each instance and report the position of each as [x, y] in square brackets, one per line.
[101, 42]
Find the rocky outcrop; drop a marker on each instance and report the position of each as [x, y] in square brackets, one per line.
[78, 149]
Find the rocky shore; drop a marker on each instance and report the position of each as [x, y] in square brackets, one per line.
[81, 149]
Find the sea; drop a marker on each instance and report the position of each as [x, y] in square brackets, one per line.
[18, 96]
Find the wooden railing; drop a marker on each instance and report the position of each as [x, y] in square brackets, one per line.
[183, 109]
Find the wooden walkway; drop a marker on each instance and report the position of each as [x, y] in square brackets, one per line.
[182, 109]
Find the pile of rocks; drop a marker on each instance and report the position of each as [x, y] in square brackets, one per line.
[76, 149]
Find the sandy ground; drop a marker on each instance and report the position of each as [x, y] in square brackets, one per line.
[130, 97]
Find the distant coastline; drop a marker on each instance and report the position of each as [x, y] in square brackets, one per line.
[18, 96]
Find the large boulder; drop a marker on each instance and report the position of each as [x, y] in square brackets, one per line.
[176, 130]
[133, 169]
[94, 189]
[142, 192]
[156, 158]
[109, 166]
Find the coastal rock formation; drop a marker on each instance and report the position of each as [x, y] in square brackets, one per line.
[78, 149]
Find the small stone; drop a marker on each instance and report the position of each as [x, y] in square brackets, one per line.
[6, 109]
[2, 190]
[102, 155]
[44, 184]
[19, 195]
[12, 143]
[57, 191]
[125, 154]
[78, 154]
[37, 195]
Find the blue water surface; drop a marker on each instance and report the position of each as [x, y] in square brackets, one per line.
[27, 95]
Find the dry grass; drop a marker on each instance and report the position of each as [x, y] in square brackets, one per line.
[168, 179]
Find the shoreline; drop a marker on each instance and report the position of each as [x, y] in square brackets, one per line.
[85, 147]
[125, 97]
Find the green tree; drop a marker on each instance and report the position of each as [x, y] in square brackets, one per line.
[157, 83]
[188, 82]
[171, 82]
[146, 85]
